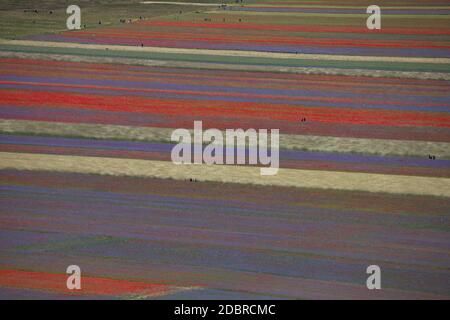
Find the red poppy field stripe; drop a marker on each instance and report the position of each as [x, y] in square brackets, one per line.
[52, 282]
[217, 108]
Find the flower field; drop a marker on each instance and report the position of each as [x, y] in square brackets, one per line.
[86, 177]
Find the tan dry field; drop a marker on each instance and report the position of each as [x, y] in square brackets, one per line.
[394, 184]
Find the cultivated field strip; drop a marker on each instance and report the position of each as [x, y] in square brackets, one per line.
[278, 32]
[290, 142]
[86, 56]
[411, 109]
[94, 287]
[224, 53]
[432, 68]
[155, 231]
[228, 174]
